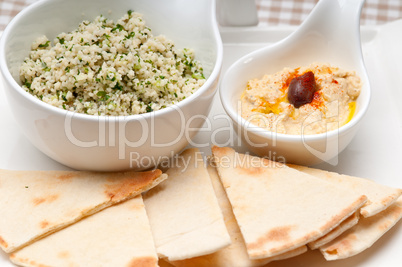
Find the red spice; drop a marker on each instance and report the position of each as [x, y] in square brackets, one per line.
[318, 101]
[293, 75]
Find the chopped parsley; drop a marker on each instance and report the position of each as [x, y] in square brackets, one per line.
[45, 67]
[118, 87]
[130, 35]
[198, 76]
[118, 27]
[44, 45]
[103, 96]
[149, 109]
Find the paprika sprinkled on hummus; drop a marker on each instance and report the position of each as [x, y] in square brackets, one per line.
[308, 100]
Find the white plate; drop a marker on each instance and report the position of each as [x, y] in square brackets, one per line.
[375, 152]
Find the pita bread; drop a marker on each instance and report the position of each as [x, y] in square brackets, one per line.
[345, 225]
[184, 214]
[379, 196]
[364, 234]
[37, 203]
[117, 236]
[235, 255]
[279, 208]
[163, 263]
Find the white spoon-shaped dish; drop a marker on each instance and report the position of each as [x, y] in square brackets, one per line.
[331, 34]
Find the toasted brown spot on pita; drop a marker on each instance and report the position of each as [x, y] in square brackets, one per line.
[344, 245]
[220, 150]
[250, 165]
[251, 170]
[385, 226]
[137, 207]
[27, 261]
[3, 243]
[143, 262]
[332, 252]
[388, 199]
[63, 254]
[43, 224]
[119, 189]
[336, 220]
[287, 246]
[247, 165]
[40, 200]
[66, 176]
[395, 211]
[213, 161]
[280, 233]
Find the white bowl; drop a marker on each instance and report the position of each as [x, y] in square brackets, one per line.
[321, 38]
[109, 143]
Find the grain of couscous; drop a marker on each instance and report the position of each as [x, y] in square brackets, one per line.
[107, 68]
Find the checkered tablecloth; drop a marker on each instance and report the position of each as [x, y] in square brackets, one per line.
[293, 12]
[270, 12]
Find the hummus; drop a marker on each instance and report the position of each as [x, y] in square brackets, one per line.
[265, 102]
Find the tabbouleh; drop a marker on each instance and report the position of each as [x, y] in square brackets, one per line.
[107, 68]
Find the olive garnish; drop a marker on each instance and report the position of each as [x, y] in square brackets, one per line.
[301, 89]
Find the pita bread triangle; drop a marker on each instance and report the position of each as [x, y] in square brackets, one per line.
[183, 211]
[37, 203]
[342, 227]
[278, 208]
[236, 253]
[379, 196]
[117, 236]
[364, 234]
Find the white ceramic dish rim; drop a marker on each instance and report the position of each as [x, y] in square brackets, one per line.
[226, 102]
[7, 75]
